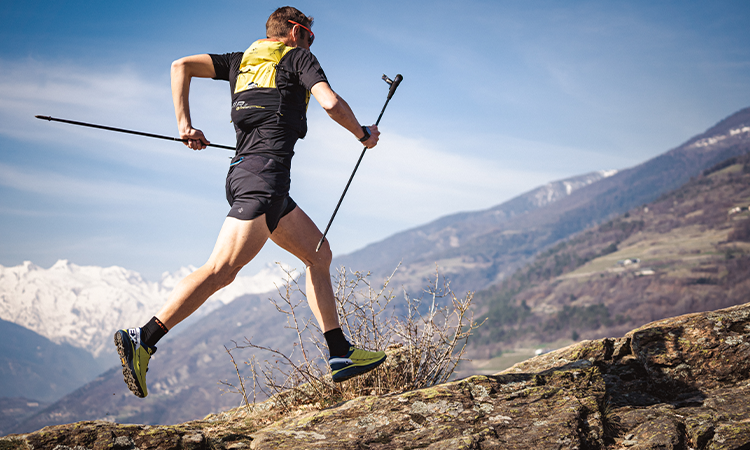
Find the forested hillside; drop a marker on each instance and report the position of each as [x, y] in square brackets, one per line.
[688, 251]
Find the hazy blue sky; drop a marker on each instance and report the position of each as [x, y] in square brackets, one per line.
[498, 98]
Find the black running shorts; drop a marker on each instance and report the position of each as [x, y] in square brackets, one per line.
[257, 185]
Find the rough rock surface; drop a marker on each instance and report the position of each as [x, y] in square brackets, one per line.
[680, 383]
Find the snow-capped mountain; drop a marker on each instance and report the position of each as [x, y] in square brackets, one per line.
[82, 305]
[557, 190]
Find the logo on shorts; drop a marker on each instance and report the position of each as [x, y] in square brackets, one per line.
[240, 210]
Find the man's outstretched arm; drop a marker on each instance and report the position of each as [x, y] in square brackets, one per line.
[183, 70]
[339, 111]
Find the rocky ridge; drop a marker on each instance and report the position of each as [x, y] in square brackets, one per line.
[679, 383]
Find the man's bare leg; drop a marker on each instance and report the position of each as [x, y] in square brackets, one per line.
[298, 234]
[238, 243]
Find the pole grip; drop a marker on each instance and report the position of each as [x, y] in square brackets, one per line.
[394, 85]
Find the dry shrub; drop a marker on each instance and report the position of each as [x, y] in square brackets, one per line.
[425, 339]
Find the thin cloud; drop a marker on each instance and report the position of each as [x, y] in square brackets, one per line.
[51, 184]
[121, 97]
[412, 178]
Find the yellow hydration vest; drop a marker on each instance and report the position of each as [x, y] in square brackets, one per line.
[258, 66]
[263, 82]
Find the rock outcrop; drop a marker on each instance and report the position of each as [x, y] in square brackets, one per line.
[680, 383]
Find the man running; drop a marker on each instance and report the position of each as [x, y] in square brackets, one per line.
[271, 83]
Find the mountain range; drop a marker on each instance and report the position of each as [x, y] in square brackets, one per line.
[32, 365]
[27, 358]
[83, 305]
[686, 252]
[59, 324]
[477, 251]
[184, 374]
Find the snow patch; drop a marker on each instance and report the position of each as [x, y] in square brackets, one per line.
[552, 192]
[706, 142]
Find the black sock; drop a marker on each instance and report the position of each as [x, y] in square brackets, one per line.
[153, 331]
[337, 343]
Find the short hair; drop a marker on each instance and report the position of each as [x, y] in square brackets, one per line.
[278, 26]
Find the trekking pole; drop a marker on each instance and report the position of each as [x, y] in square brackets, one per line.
[121, 130]
[394, 84]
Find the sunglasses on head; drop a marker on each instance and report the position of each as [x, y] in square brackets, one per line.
[312, 35]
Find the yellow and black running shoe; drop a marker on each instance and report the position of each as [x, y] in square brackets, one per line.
[134, 356]
[355, 362]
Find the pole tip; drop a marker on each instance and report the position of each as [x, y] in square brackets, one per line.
[44, 117]
[320, 244]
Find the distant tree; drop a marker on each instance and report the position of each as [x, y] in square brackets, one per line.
[741, 232]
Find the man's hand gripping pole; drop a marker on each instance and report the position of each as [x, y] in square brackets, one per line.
[394, 84]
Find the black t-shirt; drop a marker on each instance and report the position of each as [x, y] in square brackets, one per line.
[280, 112]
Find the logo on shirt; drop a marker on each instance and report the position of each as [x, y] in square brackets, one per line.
[238, 105]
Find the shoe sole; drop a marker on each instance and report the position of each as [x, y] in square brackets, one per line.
[353, 371]
[125, 350]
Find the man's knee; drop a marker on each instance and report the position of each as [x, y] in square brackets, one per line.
[322, 258]
[222, 276]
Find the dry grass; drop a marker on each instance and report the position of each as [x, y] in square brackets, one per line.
[686, 246]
